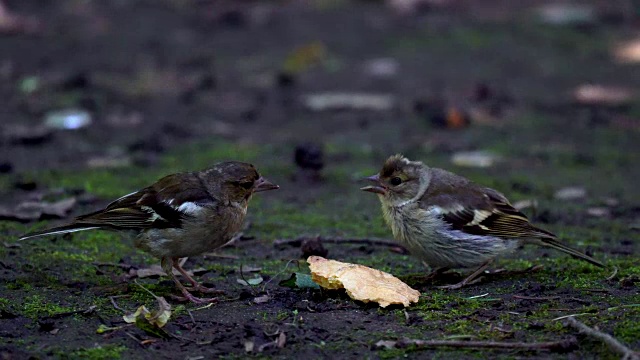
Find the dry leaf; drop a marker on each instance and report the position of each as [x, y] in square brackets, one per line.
[159, 318]
[361, 282]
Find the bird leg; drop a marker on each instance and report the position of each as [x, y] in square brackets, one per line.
[471, 279]
[167, 265]
[436, 272]
[195, 286]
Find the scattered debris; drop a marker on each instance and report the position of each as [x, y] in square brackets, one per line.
[438, 113]
[35, 210]
[6, 167]
[304, 57]
[609, 340]
[251, 282]
[68, 119]
[309, 156]
[561, 13]
[571, 193]
[478, 158]
[627, 52]
[299, 281]
[557, 346]
[361, 282]
[599, 212]
[313, 246]
[590, 94]
[262, 299]
[382, 67]
[26, 135]
[151, 323]
[11, 23]
[349, 101]
[109, 162]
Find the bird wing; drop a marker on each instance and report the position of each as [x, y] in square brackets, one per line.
[475, 209]
[162, 205]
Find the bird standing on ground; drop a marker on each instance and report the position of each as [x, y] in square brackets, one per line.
[181, 215]
[450, 222]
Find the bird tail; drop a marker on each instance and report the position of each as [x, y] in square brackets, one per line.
[65, 229]
[553, 243]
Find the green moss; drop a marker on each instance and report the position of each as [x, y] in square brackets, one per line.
[37, 306]
[105, 352]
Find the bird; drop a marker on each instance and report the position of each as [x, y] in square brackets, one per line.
[181, 215]
[448, 221]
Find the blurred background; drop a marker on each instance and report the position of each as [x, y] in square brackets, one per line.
[116, 83]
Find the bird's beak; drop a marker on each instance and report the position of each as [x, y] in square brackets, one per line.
[263, 184]
[378, 188]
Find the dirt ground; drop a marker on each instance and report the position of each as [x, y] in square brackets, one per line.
[178, 85]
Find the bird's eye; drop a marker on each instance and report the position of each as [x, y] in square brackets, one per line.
[395, 181]
[247, 184]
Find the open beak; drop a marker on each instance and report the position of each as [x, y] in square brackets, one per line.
[263, 184]
[378, 188]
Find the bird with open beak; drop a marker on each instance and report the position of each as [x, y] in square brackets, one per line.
[450, 222]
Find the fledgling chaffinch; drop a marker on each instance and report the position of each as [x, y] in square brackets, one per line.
[450, 222]
[183, 214]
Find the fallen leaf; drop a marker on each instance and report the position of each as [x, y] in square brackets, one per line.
[361, 282]
[251, 282]
[300, 281]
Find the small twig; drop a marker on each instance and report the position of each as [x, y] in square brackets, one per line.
[609, 340]
[562, 345]
[11, 245]
[115, 305]
[533, 298]
[264, 286]
[612, 276]
[193, 320]
[122, 266]
[339, 240]
[222, 256]
[568, 316]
